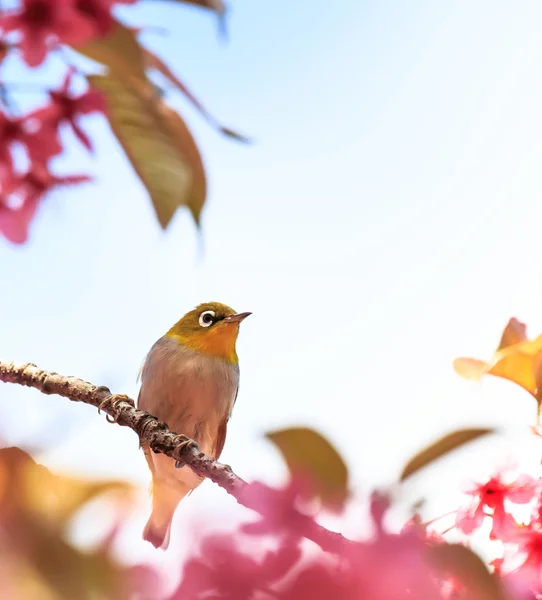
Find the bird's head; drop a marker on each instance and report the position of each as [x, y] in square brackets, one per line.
[211, 328]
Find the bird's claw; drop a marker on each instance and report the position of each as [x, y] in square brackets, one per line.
[111, 402]
[184, 445]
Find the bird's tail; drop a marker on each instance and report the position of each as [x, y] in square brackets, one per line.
[157, 533]
[165, 499]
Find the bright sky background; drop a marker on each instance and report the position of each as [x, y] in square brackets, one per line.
[385, 221]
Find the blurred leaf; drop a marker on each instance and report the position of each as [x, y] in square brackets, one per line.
[155, 62]
[59, 498]
[4, 50]
[69, 572]
[35, 506]
[470, 368]
[119, 50]
[514, 333]
[309, 455]
[517, 359]
[158, 144]
[216, 6]
[457, 561]
[29, 487]
[440, 448]
[198, 189]
[519, 363]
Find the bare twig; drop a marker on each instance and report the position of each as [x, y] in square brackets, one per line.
[121, 409]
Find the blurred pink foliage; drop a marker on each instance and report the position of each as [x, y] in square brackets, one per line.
[35, 30]
[387, 566]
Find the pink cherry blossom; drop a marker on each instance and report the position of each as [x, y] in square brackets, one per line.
[492, 496]
[98, 14]
[15, 222]
[66, 108]
[42, 24]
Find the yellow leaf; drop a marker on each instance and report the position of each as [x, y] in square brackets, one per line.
[59, 498]
[119, 50]
[35, 506]
[153, 142]
[519, 363]
[457, 561]
[440, 448]
[32, 488]
[198, 186]
[517, 359]
[470, 368]
[308, 454]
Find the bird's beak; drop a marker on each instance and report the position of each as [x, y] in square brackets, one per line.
[237, 318]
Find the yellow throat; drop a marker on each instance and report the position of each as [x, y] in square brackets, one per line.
[212, 329]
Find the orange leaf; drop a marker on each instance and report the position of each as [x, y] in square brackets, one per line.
[440, 448]
[158, 144]
[519, 363]
[517, 359]
[514, 333]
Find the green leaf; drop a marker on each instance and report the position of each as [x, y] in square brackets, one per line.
[119, 50]
[158, 145]
[457, 561]
[440, 448]
[309, 455]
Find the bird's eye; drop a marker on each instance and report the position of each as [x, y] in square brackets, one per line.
[207, 318]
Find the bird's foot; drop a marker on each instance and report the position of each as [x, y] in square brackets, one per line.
[185, 443]
[111, 402]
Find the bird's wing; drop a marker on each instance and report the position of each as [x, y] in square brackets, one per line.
[220, 438]
[235, 398]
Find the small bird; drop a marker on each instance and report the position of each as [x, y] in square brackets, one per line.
[190, 380]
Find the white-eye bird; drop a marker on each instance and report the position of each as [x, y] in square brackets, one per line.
[189, 380]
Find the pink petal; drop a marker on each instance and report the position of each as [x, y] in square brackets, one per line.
[522, 490]
[75, 31]
[470, 518]
[81, 136]
[276, 565]
[11, 22]
[34, 47]
[67, 80]
[43, 145]
[91, 101]
[49, 112]
[504, 527]
[14, 223]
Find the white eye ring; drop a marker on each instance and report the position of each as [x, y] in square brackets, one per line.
[207, 318]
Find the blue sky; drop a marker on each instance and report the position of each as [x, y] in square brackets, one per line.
[386, 220]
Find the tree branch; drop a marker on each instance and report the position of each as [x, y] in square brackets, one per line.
[121, 409]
